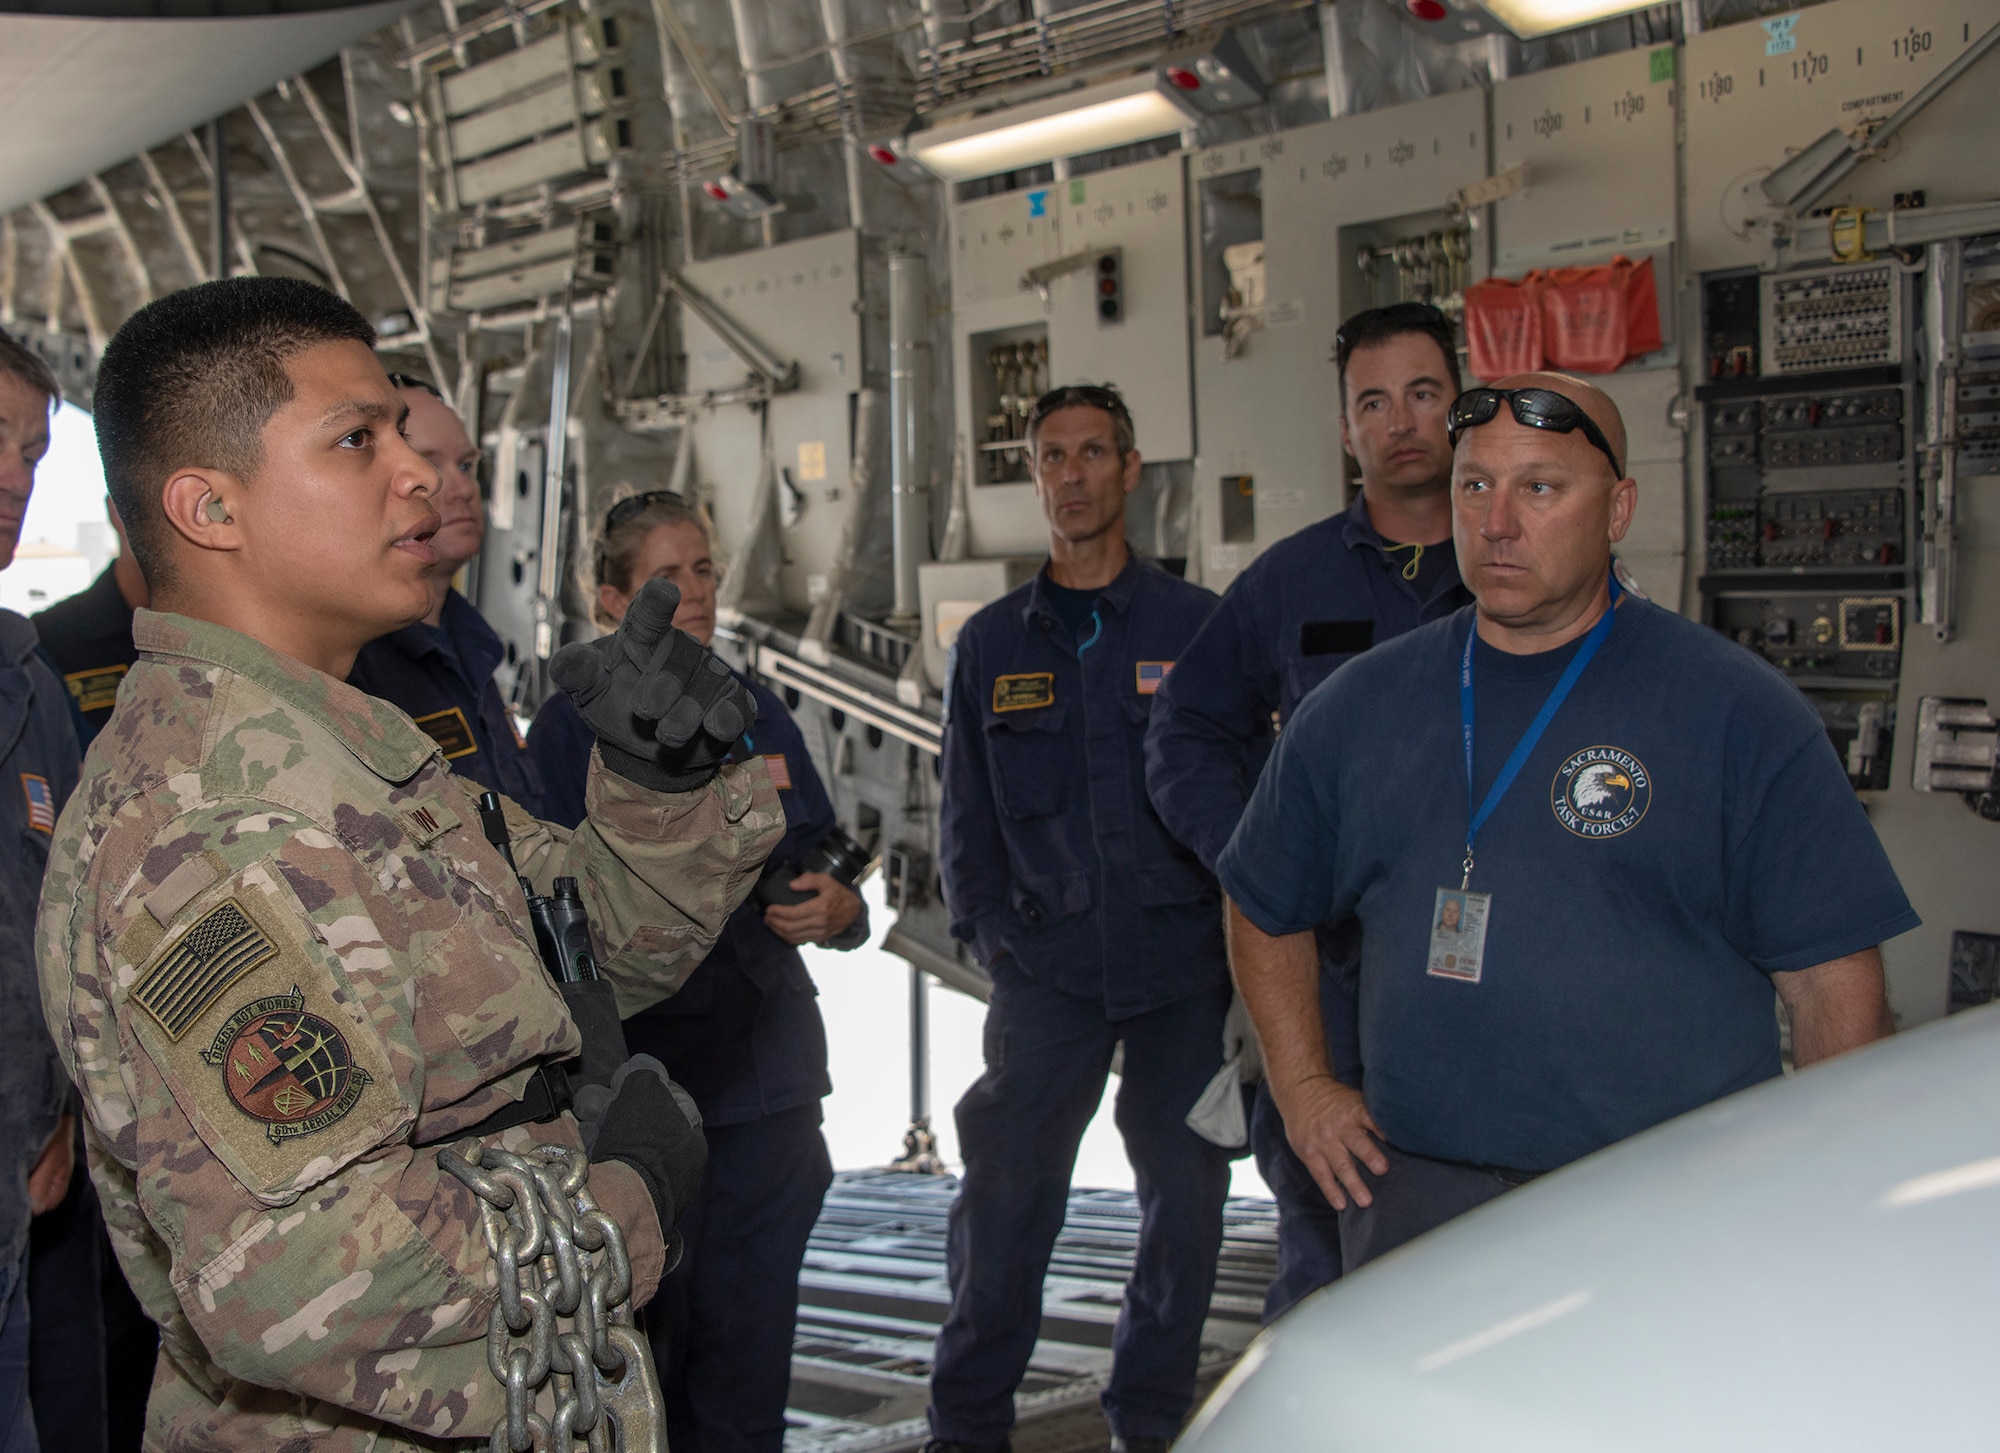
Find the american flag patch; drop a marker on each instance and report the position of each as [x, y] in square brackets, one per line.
[1151, 674]
[781, 773]
[221, 947]
[41, 802]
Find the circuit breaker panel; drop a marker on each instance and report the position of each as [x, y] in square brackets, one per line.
[1810, 466]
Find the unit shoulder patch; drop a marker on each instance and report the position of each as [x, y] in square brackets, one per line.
[1601, 792]
[451, 731]
[285, 1066]
[1024, 691]
[219, 948]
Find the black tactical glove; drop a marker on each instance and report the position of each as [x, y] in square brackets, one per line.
[653, 1126]
[665, 710]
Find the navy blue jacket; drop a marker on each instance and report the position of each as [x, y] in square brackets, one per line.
[443, 677]
[1050, 852]
[38, 771]
[742, 1035]
[1311, 602]
[88, 638]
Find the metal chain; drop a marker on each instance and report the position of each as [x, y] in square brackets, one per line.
[563, 1315]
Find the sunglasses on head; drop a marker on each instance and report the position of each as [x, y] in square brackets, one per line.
[1537, 408]
[634, 505]
[410, 380]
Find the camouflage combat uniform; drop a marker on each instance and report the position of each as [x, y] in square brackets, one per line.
[282, 962]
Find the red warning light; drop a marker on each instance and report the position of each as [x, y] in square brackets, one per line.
[1430, 10]
[716, 191]
[1183, 78]
[882, 154]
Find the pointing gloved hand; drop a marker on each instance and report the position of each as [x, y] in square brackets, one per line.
[653, 1126]
[664, 708]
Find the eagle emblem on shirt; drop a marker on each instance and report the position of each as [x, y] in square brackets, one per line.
[1601, 792]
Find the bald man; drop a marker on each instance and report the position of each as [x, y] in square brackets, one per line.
[1588, 842]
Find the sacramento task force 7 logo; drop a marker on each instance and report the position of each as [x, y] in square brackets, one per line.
[288, 1068]
[1601, 792]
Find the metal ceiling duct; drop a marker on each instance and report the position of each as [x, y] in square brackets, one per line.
[79, 93]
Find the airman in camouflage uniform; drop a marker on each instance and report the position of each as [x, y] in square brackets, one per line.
[284, 964]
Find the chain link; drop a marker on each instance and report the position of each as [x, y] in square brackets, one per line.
[563, 1316]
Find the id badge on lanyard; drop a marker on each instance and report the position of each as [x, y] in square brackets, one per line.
[1460, 916]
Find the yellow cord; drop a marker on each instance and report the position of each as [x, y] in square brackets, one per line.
[1416, 558]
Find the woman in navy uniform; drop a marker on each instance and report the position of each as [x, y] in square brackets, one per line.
[743, 1036]
[440, 670]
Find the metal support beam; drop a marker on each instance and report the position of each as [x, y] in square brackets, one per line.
[301, 198]
[218, 199]
[909, 418]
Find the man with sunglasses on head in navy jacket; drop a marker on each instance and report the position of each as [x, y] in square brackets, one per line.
[1098, 930]
[1310, 603]
[1589, 843]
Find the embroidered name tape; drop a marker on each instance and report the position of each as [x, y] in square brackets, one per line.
[1024, 691]
[96, 689]
[451, 731]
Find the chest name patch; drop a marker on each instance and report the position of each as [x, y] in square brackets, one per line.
[96, 689]
[450, 730]
[41, 802]
[1152, 675]
[1025, 691]
[1601, 792]
[286, 1066]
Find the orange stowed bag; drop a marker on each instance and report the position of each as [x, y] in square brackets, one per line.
[1503, 326]
[1595, 318]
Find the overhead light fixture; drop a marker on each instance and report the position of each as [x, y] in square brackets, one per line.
[1095, 118]
[1530, 18]
[1218, 79]
[745, 201]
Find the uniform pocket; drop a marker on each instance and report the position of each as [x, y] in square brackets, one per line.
[1303, 674]
[1049, 899]
[1026, 751]
[1172, 881]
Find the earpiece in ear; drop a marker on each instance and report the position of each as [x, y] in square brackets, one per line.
[218, 514]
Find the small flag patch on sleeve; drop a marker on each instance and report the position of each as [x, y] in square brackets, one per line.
[1151, 674]
[781, 772]
[41, 802]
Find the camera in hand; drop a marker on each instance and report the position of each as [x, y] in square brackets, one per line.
[837, 855]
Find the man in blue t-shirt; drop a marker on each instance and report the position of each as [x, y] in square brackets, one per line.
[1584, 836]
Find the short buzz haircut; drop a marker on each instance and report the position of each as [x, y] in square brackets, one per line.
[191, 380]
[1378, 325]
[22, 363]
[1087, 396]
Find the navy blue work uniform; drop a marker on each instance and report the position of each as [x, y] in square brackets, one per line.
[1097, 927]
[1680, 832]
[38, 771]
[93, 1353]
[442, 676]
[1312, 601]
[744, 1037]
[88, 637]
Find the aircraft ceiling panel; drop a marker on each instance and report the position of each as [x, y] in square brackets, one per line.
[80, 95]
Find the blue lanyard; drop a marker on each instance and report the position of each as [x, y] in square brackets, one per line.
[1526, 746]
